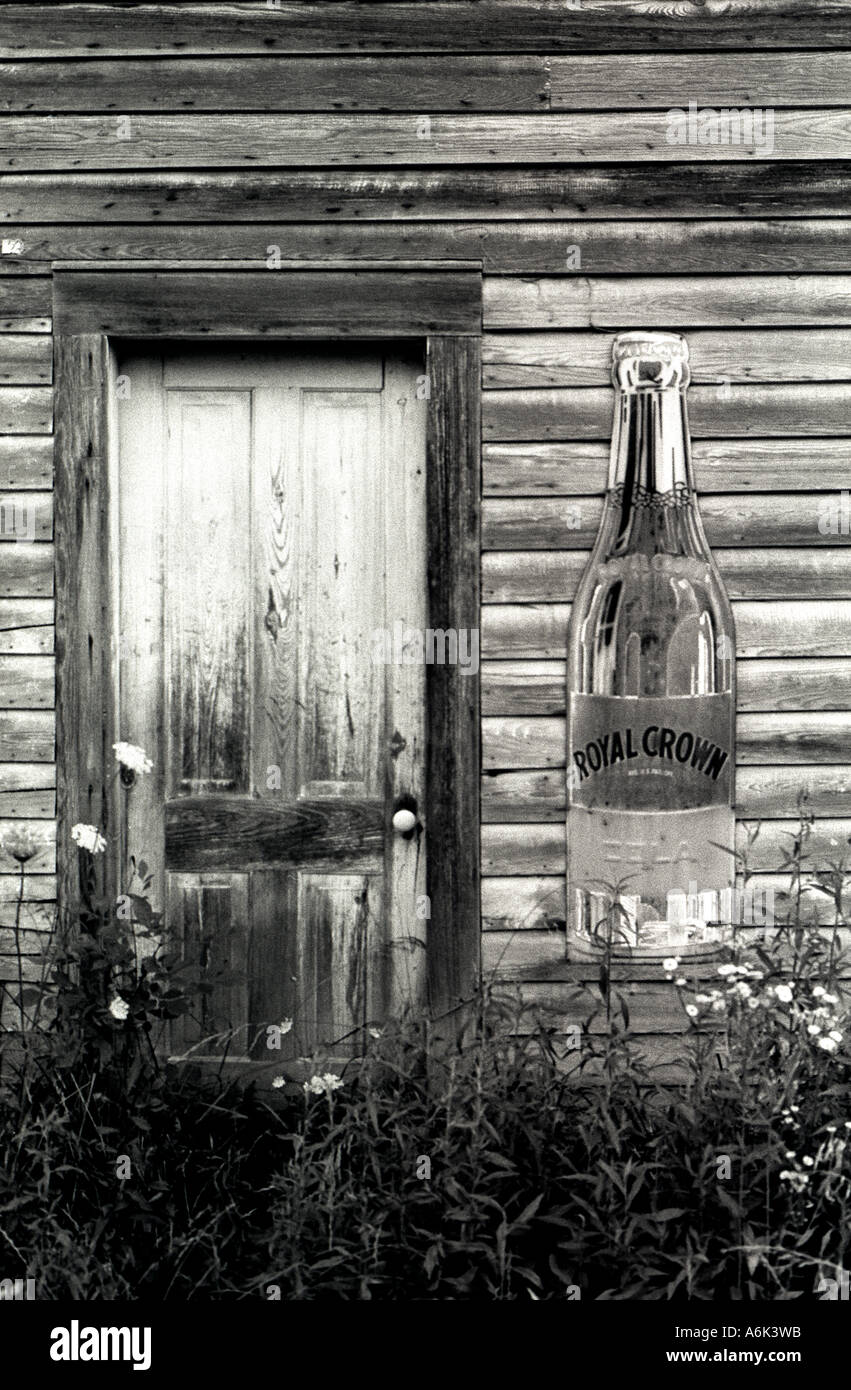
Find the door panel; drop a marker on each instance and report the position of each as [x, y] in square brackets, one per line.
[339, 942]
[321, 696]
[270, 523]
[207, 600]
[209, 917]
[340, 692]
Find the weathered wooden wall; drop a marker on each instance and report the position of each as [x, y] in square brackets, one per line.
[529, 138]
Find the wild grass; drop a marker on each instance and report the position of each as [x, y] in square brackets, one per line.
[485, 1170]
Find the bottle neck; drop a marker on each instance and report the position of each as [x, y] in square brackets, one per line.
[650, 493]
[650, 442]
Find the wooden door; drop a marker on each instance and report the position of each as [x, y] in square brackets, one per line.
[270, 522]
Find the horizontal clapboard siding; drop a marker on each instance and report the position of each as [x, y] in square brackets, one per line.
[25, 297]
[530, 139]
[25, 359]
[26, 736]
[26, 571]
[701, 301]
[772, 518]
[26, 517]
[27, 681]
[26, 625]
[519, 850]
[331, 26]
[26, 410]
[524, 360]
[26, 463]
[537, 904]
[28, 790]
[451, 82]
[141, 140]
[729, 465]
[805, 628]
[760, 410]
[538, 687]
[605, 248]
[654, 1007]
[781, 189]
[762, 792]
[515, 576]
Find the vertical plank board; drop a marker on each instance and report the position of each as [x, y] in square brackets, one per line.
[85, 717]
[140, 526]
[405, 605]
[453, 755]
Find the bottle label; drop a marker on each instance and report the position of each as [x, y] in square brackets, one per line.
[654, 753]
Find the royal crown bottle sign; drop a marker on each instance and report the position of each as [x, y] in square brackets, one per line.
[650, 690]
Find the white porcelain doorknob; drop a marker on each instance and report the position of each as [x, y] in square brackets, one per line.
[403, 821]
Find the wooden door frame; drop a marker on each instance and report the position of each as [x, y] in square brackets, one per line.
[442, 309]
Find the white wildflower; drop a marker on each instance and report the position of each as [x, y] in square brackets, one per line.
[691, 1010]
[130, 755]
[740, 990]
[807, 1161]
[278, 1082]
[728, 969]
[322, 1085]
[797, 1180]
[670, 964]
[88, 837]
[783, 993]
[827, 1044]
[285, 1026]
[119, 1008]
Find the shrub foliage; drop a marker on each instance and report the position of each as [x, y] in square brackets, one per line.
[511, 1165]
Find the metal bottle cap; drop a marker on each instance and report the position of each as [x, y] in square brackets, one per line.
[649, 361]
